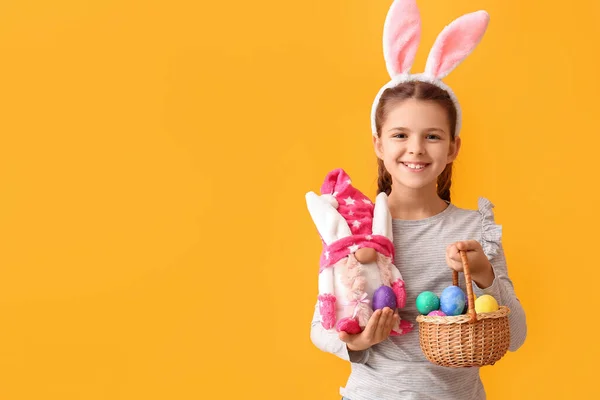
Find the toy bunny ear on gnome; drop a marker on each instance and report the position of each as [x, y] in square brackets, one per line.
[332, 227]
[382, 226]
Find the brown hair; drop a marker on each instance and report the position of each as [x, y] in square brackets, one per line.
[420, 91]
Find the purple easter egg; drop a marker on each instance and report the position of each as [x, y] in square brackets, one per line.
[384, 296]
[437, 313]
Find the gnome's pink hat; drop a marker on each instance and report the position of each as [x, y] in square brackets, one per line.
[347, 220]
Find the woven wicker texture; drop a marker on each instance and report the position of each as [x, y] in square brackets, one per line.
[468, 340]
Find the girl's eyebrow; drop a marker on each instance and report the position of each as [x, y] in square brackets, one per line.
[398, 128]
[401, 128]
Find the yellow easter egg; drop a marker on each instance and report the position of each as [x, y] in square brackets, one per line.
[486, 303]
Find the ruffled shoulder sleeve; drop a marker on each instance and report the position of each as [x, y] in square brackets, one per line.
[491, 233]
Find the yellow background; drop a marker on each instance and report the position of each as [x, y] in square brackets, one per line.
[154, 156]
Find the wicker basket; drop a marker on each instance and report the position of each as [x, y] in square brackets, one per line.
[468, 340]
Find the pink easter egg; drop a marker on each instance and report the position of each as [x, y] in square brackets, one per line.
[437, 313]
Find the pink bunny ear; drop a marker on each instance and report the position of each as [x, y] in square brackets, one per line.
[401, 35]
[455, 43]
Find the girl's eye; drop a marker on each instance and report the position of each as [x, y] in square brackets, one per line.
[433, 137]
[400, 136]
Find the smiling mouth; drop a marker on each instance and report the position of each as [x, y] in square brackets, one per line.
[415, 166]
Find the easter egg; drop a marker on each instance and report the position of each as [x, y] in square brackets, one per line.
[384, 296]
[427, 302]
[453, 300]
[437, 313]
[486, 303]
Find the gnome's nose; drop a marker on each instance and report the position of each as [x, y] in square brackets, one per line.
[365, 255]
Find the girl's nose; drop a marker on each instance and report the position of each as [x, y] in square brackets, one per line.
[416, 147]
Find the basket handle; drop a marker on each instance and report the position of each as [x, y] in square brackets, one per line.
[467, 272]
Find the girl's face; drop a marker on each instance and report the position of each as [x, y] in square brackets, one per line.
[415, 143]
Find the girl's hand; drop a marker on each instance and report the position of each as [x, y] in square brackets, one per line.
[377, 330]
[479, 265]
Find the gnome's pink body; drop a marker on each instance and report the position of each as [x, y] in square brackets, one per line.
[357, 256]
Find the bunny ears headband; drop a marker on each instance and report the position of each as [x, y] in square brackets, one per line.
[401, 35]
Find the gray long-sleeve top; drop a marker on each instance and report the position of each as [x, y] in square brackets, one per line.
[396, 368]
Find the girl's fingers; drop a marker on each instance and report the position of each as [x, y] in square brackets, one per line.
[454, 264]
[452, 251]
[345, 337]
[385, 316]
[390, 323]
[467, 245]
[371, 328]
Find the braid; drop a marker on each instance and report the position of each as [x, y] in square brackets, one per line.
[356, 282]
[384, 179]
[444, 182]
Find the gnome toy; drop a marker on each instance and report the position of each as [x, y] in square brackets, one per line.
[356, 274]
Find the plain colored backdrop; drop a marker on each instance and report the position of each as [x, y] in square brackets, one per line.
[154, 156]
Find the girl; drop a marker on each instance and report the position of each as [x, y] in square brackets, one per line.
[416, 122]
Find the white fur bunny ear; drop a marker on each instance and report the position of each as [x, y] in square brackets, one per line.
[382, 218]
[329, 222]
[455, 43]
[401, 36]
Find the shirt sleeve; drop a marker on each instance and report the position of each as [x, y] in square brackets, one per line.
[502, 288]
[329, 341]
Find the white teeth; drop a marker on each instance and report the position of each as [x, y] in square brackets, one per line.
[415, 166]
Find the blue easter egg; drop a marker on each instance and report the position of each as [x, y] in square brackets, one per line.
[453, 300]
